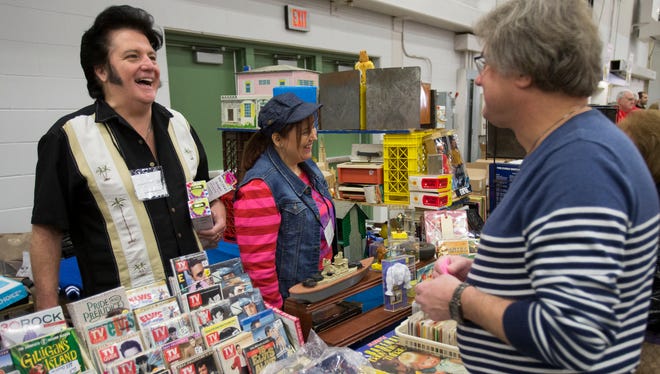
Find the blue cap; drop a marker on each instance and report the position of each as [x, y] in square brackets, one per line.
[283, 110]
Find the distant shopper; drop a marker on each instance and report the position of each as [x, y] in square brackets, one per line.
[643, 127]
[283, 214]
[655, 105]
[562, 278]
[625, 101]
[642, 99]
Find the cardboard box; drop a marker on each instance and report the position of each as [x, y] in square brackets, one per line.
[200, 214]
[196, 190]
[355, 193]
[478, 173]
[430, 182]
[372, 194]
[360, 173]
[365, 167]
[490, 160]
[11, 291]
[430, 200]
[221, 185]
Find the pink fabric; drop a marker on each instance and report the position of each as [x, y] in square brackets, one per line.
[257, 222]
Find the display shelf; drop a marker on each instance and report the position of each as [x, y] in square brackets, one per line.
[354, 329]
[362, 326]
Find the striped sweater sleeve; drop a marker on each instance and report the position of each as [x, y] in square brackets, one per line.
[257, 222]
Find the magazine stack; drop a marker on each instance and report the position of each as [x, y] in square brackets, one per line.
[207, 318]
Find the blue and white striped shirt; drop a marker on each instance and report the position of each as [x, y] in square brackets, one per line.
[574, 242]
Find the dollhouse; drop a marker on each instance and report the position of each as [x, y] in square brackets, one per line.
[255, 87]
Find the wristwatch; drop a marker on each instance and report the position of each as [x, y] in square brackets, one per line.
[455, 306]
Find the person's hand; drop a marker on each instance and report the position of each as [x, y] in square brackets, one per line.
[433, 296]
[211, 237]
[457, 266]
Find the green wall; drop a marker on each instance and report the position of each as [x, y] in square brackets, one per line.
[195, 91]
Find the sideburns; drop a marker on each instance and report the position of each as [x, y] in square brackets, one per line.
[113, 77]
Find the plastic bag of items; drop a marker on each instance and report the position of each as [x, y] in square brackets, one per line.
[316, 357]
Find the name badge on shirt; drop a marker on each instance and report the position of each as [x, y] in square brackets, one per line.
[149, 183]
[329, 232]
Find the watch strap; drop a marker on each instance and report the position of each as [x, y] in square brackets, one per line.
[455, 305]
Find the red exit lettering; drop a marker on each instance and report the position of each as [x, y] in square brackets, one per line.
[299, 18]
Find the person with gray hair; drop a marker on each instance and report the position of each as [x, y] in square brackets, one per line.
[625, 101]
[563, 273]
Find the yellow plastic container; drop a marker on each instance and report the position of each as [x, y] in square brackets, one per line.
[403, 155]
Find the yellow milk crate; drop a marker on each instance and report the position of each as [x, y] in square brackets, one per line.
[403, 155]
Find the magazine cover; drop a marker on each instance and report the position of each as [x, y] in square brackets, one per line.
[173, 283]
[6, 364]
[236, 285]
[60, 352]
[149, 361]
[202, 363]
[220, 331]
[292, 325]
[230, 353]
[203, 297]
[156, 312]
[259, 354]
[182, 348]
[120, 348]
[147, 294]
[210, 314]
[97, 307]
[247, 304]
[109, 328]
[31, 326]
[260, 319]
[227, 269]
[192, 272]
[170, 330]
[387, 355]
[275, 330]
[425, 272]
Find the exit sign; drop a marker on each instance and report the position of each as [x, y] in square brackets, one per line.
[296, 18]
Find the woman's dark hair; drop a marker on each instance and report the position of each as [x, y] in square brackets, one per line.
[258, 143]
[94, 44]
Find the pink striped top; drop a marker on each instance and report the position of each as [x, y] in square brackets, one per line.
[257, 222]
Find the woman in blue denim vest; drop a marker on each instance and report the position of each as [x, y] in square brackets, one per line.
[283, 213]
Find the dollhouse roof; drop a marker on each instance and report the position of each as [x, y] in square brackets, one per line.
[342, 208]
[276, 68]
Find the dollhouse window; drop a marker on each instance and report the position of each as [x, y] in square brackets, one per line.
[247, 110]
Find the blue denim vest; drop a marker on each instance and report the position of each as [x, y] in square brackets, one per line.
[299, 237]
